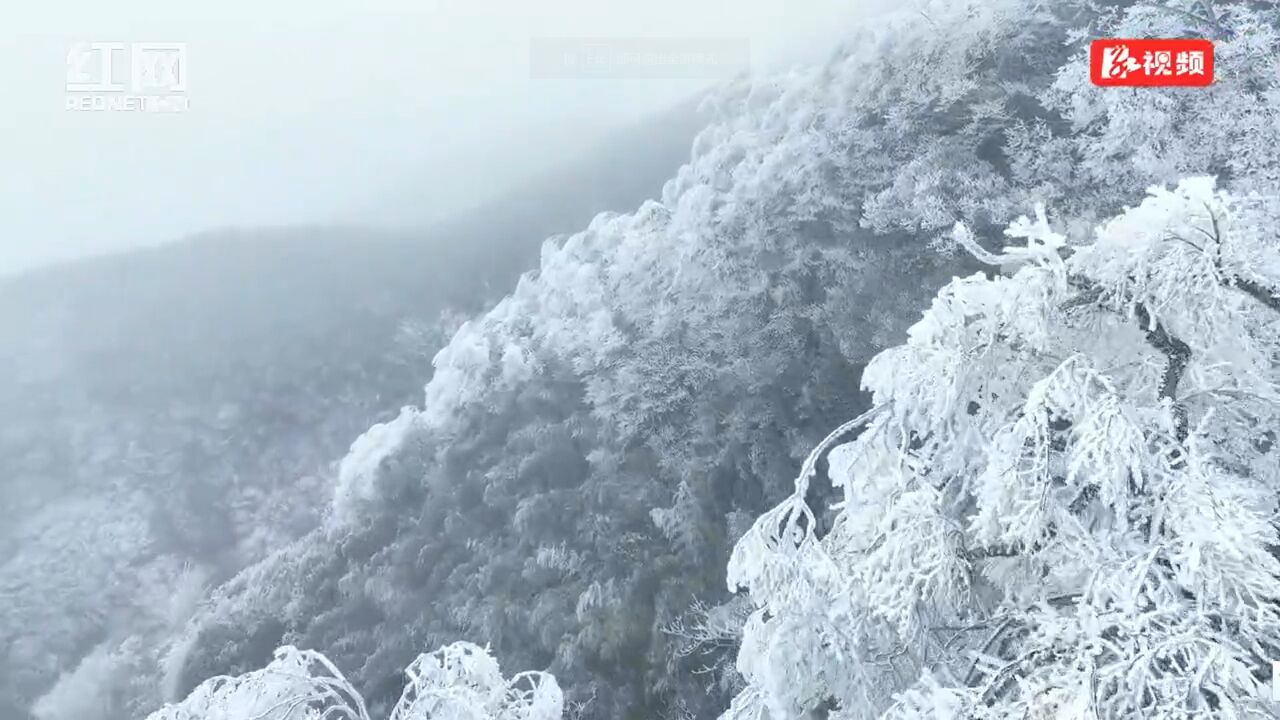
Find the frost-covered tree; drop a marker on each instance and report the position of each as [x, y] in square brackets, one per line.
[296, 685]
[1063, 502]
[463, 682]
[457, 682]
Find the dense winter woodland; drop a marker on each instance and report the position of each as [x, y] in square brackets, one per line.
[174, 415]
[938, 383]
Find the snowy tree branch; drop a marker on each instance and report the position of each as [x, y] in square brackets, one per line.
[1257, 291]
[834, 438]
[1178, 354]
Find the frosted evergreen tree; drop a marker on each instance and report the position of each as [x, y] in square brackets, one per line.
[1063, 502]
[296, 685]
[458, 682]
[463, 682]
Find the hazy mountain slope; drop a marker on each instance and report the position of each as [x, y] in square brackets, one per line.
[588, 451]
[201, 389]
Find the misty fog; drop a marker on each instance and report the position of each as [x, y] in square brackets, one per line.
[699, 360]
[390, 111]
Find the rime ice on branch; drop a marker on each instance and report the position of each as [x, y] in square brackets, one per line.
[1063, 503]
[457, 682]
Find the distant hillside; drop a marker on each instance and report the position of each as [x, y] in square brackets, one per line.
[208, 384]
[140, 326]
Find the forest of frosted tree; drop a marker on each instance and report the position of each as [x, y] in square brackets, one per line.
[937, 383]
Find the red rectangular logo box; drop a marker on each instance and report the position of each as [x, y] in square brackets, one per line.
[1120, 62]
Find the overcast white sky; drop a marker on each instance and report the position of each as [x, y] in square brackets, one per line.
[313, 111]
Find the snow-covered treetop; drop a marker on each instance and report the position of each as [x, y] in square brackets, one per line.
[296, 685]
[463, 682]
[1063, 504]
[457, 682]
